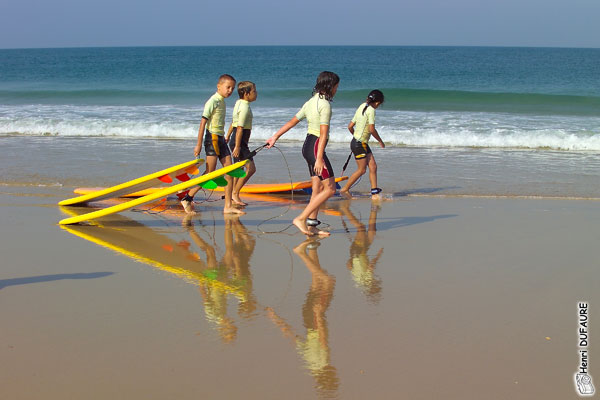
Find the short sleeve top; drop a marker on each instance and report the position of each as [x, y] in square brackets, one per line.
[214, 112]
[317, 112]
[362, 122]
[242, 114]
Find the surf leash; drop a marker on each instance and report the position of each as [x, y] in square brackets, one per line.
[346, 164]
[291, 191]
[256, 150]
[344, 169]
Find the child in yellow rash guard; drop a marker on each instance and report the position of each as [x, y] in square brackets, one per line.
[213, 120]
[317, 112]
[362, 127]
[241, 127]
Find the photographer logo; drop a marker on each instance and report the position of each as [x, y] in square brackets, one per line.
[583, 381]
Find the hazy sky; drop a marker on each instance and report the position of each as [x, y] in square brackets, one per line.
[69, 23]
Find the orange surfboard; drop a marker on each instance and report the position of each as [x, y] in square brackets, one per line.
[250, 188]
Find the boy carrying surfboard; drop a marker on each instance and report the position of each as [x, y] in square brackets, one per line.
[213, 121]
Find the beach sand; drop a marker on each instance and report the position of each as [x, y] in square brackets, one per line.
[417, 297]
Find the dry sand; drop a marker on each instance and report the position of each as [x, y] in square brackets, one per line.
[416, 298]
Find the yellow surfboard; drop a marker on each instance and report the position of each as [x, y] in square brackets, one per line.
[181, 172]
[248, 189]
[210, 180]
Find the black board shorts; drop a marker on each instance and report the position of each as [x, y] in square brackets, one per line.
[214, 145]
[359, 149]
[244, 150]
[309, 152]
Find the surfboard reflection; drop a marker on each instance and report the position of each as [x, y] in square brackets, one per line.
[217, 279]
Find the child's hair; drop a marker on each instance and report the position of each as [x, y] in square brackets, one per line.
[244, 88]
[226, 77]
[375, 96]
[326, 81]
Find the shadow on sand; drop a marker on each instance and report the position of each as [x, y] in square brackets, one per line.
[384, 224]
[50, 278]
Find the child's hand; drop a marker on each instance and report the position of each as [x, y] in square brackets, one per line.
[271, 142]
[319, 166]
[197, 150]
[236, 152]
[382, 145]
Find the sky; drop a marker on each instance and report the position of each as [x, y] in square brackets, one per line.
[100, 23]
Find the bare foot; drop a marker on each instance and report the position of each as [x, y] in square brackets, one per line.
[376, 197]
[314, 231]
[237, 201]
[345, 194]
[232, 210]
[301, 225]
[188, 206]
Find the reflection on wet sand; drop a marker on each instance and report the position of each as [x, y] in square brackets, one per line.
[217, 279]
[361, 267]
[233, 269]
[313, 346]
[223, 274]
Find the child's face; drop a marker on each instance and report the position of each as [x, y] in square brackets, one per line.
[250, 97]
[376, 104]
[334, 90]
[225, 87]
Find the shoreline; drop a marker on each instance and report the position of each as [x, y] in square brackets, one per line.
[69, 163]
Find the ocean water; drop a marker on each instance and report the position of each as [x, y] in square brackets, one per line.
[485, 104]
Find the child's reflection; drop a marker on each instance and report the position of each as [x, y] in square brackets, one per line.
[233, 270]
[362, 269]
[314, 346]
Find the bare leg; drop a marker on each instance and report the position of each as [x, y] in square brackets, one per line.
[238, 183]
[188, 206]
[317, 187]
[312, 209]
[361, 165]
[229, 208]
[373, 175]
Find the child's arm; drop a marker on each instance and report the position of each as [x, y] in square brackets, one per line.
[198, 147]
[289, 125]
[229, 133]
[375, 134]
[320, 163]
[238, 141]
[351, 127]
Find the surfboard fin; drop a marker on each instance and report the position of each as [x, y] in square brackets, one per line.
[183, 177]
[210, 184]
[220, 181]
[193, 170]
[237, 173]
[165, 179]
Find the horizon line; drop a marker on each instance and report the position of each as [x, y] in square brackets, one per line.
[300, 45]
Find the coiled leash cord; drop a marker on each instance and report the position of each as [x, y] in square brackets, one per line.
[290, 203]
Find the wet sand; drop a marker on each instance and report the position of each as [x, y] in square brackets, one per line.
[416, 297]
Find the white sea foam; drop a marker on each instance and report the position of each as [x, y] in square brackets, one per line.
[426, 129]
